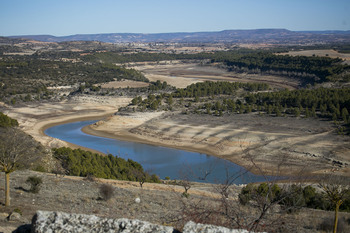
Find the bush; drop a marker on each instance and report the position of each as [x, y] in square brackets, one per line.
[40, 168]
[18, 210]
[35, 183]
[246, 193]
[185, 195]
[106, 191]
[6, 121]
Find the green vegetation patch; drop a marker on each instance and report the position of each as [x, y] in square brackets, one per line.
[6, 121]
[22, 75]
[78, 162]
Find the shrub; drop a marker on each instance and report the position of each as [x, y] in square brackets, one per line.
[246, 193]
[185, 195]
[40, 168]
[106, 191]
[18, 210]
[34, 182]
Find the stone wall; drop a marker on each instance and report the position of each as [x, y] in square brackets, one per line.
[48, 222]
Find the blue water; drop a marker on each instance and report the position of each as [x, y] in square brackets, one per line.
[176, 164]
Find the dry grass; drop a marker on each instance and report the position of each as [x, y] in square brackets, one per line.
[321, 53]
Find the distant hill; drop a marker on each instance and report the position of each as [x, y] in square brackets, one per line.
[269, 36]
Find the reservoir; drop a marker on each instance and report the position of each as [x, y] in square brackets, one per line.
[162, 161]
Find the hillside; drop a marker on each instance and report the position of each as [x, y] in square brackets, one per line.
[268, 36]
[160, 203]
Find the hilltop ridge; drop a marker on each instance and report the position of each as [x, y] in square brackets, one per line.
[269, 36]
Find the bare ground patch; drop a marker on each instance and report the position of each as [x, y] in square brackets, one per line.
[124, 84]
[321, 53]
[182, 75]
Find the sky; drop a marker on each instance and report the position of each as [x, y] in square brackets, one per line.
[69, 17]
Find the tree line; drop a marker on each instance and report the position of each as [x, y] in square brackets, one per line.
[79, 162]
[197, 90]
[308, 69]
[328, 103]
[218, 98]
[207, 88]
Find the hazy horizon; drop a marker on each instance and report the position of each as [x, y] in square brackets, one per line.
[145, 33]
[65, 17]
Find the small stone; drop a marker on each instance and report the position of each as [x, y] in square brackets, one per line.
[137, 200]
[14, 216]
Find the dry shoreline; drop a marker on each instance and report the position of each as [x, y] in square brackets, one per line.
[35, 118]
[129, 137]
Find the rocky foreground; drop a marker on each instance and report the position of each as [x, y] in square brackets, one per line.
[46, 222]
[159, 204]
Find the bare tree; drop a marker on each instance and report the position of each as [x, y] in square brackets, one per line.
[186, 175]
[141, 176]
[336, 190]
[17, 150]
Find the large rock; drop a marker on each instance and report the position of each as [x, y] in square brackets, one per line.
[49, 222]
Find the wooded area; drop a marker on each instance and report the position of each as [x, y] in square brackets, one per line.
[78, 162]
